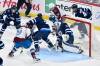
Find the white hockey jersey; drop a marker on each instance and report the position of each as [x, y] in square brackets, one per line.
[23, 32]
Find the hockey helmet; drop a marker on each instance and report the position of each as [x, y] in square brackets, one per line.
[30, 24]
[39, 14]
[74, 6]
[52, 18]
[14, 8]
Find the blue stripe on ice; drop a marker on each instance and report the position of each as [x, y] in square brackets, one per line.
[46, 55]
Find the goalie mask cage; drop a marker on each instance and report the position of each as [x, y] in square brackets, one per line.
[87, 46]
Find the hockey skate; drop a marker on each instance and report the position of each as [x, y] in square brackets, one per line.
[34, 56]
[11, 54]
[36, 60]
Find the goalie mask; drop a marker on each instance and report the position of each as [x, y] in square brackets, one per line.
[52, 18]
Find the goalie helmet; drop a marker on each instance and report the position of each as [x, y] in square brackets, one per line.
[52, 18]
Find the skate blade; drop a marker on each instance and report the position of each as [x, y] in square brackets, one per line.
[36, 61]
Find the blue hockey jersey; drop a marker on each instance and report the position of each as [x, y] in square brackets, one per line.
[10, 15]
[40, 23]
[83, 12]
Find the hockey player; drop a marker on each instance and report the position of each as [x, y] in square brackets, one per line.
[28, 4]
[83, 13]
[11, 15]
[62, 28]
[43, 32]
[23, 40]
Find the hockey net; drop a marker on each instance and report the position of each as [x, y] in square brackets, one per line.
[84, 43]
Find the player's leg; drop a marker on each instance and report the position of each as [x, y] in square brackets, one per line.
[16, 46]
[50, 45]
[32, 51]
[82, 29]
[59, 42]
[36, 38]
[70, 42]
[19, 4]
[1, 61]
[45, 33]
[4, 26]
[29, 6]
[26, 43]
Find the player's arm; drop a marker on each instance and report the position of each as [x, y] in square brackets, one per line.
[8, 13]
[17, 17]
